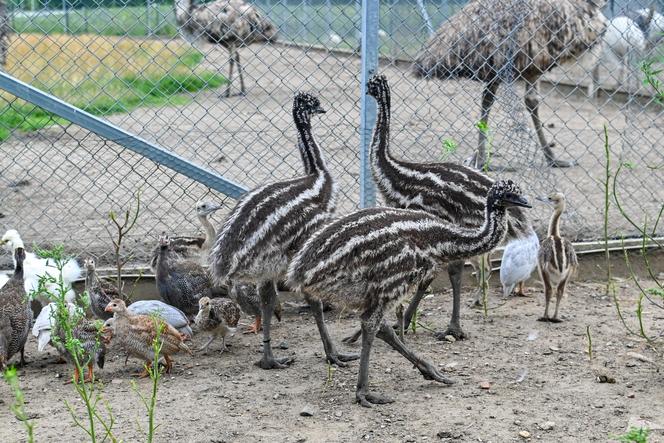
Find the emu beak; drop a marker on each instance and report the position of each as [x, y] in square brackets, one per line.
[320, 110]
[517, 200]
[542, 199]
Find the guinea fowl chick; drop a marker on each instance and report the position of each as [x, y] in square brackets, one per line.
[100, 291]
[218, 316]
[557, 260]
[15, 313]
[90, 335]
[181, 283]
[136, 334]
[246, 295]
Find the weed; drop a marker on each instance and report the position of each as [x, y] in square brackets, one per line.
[636, 435]
[18, 407]
[449, 148]
[590, 344]
[122, 229]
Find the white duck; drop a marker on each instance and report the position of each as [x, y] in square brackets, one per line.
[43, 324]
[35, 267]
[518, 263]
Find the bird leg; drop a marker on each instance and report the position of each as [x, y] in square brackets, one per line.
[331, 354]
[145, 372]
[559, 295]
[169, 363]
[520, 290]
[362, 394]
[488, 98]
[22, 362]
[231, 61]
[239, 70]
[400, 325]
[224, 348]
[268, 295]
[205, 347]
[255, 327]
[532, 104]
[91, 376]
[455, 272]
[77, 376]
[547, 296]
[427, 369]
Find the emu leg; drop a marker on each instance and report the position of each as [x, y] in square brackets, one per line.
[205, 347]
[560, 291]
[239, 70]
[547, 296]
[362, 394]
[455, 272]
[428, 370]
[268, 295]
[532, 104]
[331, 354]
[488, 98]
[231, 61]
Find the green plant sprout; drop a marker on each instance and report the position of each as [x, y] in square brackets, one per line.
[635, 435]
[18, 407]
[449, 148]
[484, 129]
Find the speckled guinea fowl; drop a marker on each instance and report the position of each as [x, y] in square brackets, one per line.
[181, 283]
[136, 333]
[15, 313]
[93, 347]
[219, 317]
[100, 291]
[246, 296]
[193, 248]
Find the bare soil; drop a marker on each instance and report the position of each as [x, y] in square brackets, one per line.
[537, 373]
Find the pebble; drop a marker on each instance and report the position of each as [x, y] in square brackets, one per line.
[116, 381]
[338, 414]
[283, 345]
[524, 434]
[548, 426]
[485, 385]
[450, 338]
[307, 411]
[631, 395]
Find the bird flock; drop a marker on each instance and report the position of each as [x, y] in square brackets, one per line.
[288, 234]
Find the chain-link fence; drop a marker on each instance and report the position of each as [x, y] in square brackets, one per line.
[127, 62]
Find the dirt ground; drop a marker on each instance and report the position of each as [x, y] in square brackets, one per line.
[59, 184]
[540, 377]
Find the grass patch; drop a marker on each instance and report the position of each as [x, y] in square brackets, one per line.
[101, 75]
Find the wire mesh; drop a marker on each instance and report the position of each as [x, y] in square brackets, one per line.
[128, 62]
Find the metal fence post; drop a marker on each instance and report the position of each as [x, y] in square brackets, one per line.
[370, 11]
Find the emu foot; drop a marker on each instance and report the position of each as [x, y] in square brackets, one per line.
[546, 319]
[340, 359]
[353, 338]
[454, 331]
[274, 363]
[429, 372]
[367, 399]
[555, 320]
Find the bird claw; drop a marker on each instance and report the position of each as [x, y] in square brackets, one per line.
[454, 331]
[274, 363]
[555, 320]
[340, 358]
[367, 399]
[431, 373]
[352, 338]
[546, 319]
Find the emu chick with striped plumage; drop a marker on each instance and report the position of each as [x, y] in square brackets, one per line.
[269, 223]
[557, 260]
[15, 313]
[455, 193]
[373, 258]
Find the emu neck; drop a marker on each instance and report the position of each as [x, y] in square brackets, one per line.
[210, 233]
[380, 144]
[554, 223]
[312, 157]
[472, 242]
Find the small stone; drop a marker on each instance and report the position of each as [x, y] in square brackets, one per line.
[548, 426]
[116, 381]
[450, 338]
[283, 345]
[524, 434]
[427, 396]
[444, 434]
[631, 395]
[307, 411]
[276, 396]
[485, 385]
[338, 414]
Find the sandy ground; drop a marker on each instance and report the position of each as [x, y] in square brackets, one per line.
[59, 184]
[537, 372]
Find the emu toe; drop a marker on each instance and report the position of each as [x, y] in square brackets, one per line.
[340, 358]
[352, 338]
[275, 363]
[367, 399]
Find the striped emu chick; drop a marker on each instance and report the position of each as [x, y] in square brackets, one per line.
[455, 193]
[219, 317]
[557, 260]
[373, 258]
[269, 223]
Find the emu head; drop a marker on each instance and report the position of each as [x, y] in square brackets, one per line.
[506, 193]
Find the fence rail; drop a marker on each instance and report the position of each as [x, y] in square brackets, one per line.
[129, 68]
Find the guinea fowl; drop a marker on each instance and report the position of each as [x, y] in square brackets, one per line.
[373, 258]
[269, 223]
[246, 296]
[100, 291]
[136, 334]
[454, 193]
[219, 317]
[181, 283]
[89, 335]
[15, 313]
[557, 260]
[193, 247]
[170, 314]
[35, 267]
[518, 263]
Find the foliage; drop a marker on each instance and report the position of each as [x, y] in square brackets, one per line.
[64, 322]
[652, 79]
[18, 407]
[449, 148]
[122, 230]
[101, 75]
[636, 435]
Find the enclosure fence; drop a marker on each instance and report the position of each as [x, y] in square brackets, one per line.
[134, 66]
